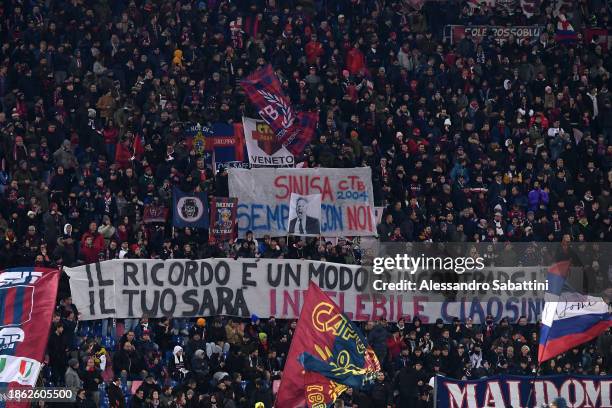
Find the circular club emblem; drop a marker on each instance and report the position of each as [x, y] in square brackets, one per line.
[190, 209]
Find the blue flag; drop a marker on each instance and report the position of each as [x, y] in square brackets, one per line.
[189, 209]
[227, 144]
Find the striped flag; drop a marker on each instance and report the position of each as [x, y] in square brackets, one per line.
[16, 305]
[569, 318]
[293, 130]
[27, 300]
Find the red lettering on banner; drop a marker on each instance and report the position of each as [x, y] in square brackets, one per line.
[419, 308]
[379, 303]
[293, 302]
[353, 183]
[359, 218]
[272, 302]
[400, 307]
[303, 185]
[341, 304]
[280, 182]
[332, 295]
[353, 180]
[337, 297]
[356, 183]
[360, 307]
[220, 141]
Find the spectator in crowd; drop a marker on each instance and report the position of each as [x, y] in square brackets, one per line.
[72, 379]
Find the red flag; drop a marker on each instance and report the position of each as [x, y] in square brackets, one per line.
[295, 382]
[328, 353]
[294, 130]
[138, 146]
[305, 131]
[239, 142]
[154, 213]
[27, 300]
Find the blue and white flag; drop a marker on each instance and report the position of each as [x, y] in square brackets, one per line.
[569, 318]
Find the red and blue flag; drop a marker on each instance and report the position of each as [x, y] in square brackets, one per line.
[327, 355]
[569, 319]
[27, 301]
[293, 129]
[226, 141]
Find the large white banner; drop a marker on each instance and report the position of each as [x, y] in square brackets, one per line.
[263, 147]
[347, 202]
[129, 288]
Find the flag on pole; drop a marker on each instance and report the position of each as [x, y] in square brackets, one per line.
[227, 145]
[565, 33]
[293, 130]
[223, 218]
[304, 133]
[328, 353]
[27, 300]
[263, 147]
[189, 209]
[139, 146]
[569, 319]
[154, 212]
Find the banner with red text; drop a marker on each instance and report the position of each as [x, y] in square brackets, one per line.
[129, 288]
[263, 148]
[347, 204]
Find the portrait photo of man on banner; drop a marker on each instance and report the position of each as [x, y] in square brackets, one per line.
[304, 215]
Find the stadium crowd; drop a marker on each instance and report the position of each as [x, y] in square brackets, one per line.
[471, 141]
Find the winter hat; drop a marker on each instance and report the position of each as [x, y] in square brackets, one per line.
[177, 358]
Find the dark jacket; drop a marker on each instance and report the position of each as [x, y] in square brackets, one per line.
[312, 226]
[56, 347]
[116, 399]
[89, 379]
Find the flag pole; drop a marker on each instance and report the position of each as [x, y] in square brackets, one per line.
[533, 379]
[537, 371]
[435, 392]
